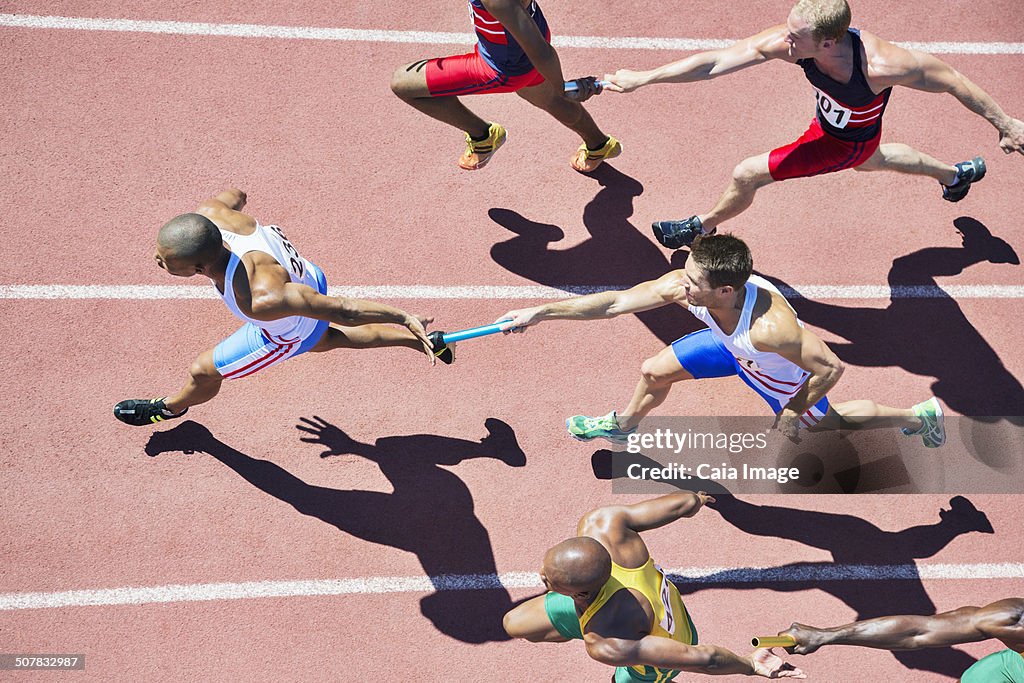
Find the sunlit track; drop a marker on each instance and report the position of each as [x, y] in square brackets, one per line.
[429, 37]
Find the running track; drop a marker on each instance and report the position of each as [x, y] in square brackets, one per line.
[109, 133]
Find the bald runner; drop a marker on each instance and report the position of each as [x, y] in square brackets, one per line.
[605, 589]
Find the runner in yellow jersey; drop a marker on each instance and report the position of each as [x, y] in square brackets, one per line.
[605, 590]
[1002, 620]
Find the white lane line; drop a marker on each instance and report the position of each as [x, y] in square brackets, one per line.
[140, 595]
[427, 37]
[179, 292]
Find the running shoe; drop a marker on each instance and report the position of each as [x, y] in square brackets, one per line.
[587, 160]
[933, 428]
[139, 412]
[967, 172]
[583, 428]
[444, 352]
[478, 153]
[676, 234]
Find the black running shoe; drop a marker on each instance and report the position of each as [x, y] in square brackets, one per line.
[676, 234]
[140, 412]
[967, 172]
[444, 352]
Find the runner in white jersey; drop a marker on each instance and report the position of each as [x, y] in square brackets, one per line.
[752, 333]
[279, 295]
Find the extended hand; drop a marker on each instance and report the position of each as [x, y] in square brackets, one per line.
[769, 665]
[417, 325]
[1012, 139]
[623, 80]
[586, 88]
[808, 639]
[518, 320]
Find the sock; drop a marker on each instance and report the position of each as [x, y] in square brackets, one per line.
[599, 147]
[956, 180]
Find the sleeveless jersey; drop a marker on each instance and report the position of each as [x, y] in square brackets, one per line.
[771, 372]
[670, 617]
[496, 46]
[848, 111]
[270, 240]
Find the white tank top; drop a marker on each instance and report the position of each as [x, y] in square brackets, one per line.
[270, 240]
[776, 375]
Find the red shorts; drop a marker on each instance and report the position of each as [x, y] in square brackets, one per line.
[469, 74]
[817, 152]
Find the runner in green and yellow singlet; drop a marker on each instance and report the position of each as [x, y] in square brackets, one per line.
[605, 589]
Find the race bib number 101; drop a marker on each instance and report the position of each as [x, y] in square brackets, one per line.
[831, 111]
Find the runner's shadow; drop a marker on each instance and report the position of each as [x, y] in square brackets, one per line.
[429, 513]
[615, 254]
[855, 542]
[929, 336]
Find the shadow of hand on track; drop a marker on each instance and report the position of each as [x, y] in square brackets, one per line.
[929, 336]
[854, 541]
[430, 513]
[615, 254]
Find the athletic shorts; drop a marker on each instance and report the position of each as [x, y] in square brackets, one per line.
[469, 74]
[1006, 666]
[702, 355]
[816, 152]
[561, 611]
[250, 350]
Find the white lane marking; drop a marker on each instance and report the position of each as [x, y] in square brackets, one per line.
[140, 595]
[148, 292]
[428, 37]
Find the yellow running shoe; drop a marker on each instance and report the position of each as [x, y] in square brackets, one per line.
[477, 154]
[587, 160]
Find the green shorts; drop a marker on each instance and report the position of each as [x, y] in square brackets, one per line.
[561, 610]
[1006, 666]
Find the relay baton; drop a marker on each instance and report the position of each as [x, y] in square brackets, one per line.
[773, 641]
[570, 86]
[474, 332]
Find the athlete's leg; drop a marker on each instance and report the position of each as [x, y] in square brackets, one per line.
[894, 156]
[367, 337]
[570, 114]
[867, 414]
[748, 177]
[530, 621]
[409, 82]
[203, 384]
[657, 375]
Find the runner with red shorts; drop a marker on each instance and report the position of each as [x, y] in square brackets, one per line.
[513, 54]
[853, 73]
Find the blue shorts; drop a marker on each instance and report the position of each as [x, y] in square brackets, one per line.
[249, 350]
[702, 355]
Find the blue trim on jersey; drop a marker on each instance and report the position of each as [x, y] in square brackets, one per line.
[249, 338]
[704, 356]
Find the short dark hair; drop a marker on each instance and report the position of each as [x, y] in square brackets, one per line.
[725, 259]
[190, 237]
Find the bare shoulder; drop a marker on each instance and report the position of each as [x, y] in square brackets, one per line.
[771, 43]
[226, 218]
[887, 63]
[772, 322]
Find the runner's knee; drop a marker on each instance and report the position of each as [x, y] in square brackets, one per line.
[203, 371]
[751, 172]
[408, 81]
[516, 625]
[654, 371]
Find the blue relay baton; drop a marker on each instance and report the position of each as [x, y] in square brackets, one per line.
[440, 340]
[573, 86]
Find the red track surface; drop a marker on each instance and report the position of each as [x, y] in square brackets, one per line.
[109, 134]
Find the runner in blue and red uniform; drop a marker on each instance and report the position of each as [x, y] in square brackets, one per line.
[513, 54]
[853, 73]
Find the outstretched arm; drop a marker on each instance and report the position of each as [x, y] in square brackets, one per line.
[670, 654]
[922, 71]
[645, 296]
[1001, 620]
[767, 45]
